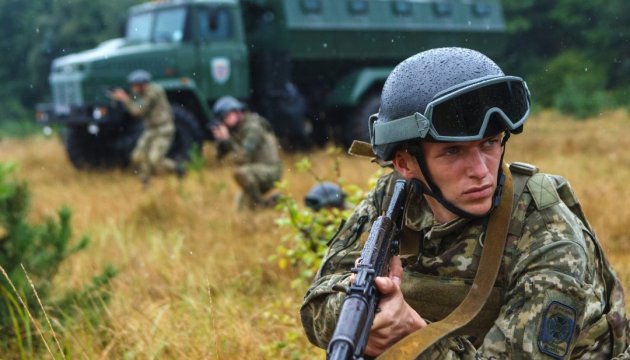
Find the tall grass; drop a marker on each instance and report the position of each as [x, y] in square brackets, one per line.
[194, 279]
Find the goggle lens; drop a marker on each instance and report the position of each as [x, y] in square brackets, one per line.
[465, 114]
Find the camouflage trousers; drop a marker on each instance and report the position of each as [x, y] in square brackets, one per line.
[255, 180]
[149, 155]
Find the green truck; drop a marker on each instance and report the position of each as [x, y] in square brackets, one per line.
[314, 68]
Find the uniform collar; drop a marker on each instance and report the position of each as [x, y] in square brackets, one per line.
[418, 217]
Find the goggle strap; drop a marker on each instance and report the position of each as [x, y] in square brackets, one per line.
[406, 128]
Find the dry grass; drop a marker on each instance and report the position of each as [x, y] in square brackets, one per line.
[195, 282]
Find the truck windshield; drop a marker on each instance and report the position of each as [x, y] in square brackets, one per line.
[158, 26]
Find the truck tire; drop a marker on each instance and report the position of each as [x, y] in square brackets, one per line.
[355, 126]
[187, 133]
[88, 151]
[80, 153]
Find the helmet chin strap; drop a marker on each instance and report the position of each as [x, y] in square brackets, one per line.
[432, 190]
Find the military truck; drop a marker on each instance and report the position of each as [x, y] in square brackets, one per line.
[314, 68]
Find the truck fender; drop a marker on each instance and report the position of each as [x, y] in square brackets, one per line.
[350, 90]
[185, 92]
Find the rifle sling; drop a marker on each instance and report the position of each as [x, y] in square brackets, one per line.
[414, 344]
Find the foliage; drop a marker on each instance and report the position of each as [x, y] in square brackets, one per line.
[305, 240]
[305, 244]
[576, 84]
[308, 232]
[30, 255]
[18, 128]
[196, 161]
[39, 31]
[570, 52]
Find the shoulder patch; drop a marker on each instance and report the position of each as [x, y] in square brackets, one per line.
[557, 329]
[543, 191]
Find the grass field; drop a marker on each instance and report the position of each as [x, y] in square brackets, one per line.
[194, 280]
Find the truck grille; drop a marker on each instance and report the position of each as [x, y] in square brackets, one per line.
[66, 92]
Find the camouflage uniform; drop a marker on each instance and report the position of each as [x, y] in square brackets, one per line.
[159, 128]
[254, 148]
[556, 295]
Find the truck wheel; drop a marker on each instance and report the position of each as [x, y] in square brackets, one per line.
[109, 148]
[87, 151]
[187, 133]
[356, 125]
[78, 148]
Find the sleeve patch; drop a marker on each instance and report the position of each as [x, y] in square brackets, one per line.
[557, 329]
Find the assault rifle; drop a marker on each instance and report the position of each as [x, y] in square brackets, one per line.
[361, 301]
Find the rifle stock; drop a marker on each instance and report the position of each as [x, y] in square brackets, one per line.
[359, 306]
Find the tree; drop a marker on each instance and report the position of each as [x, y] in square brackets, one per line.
[43, 30]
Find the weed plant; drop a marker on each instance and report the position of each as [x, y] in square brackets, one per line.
[30, 256]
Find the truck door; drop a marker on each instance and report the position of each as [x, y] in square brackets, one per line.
[223, 64]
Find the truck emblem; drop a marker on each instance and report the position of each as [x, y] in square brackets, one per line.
[220, 68]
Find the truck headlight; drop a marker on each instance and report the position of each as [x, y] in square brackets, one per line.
[93, 129]
[99, 112]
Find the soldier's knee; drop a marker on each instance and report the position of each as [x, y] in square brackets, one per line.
[243, 178]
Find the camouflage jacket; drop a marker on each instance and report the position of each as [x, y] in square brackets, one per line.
[251, 141]
[152, 106]
[556, 296]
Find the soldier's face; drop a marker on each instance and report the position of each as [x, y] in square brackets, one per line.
[465, 172]
[137, 88]
[232, 118]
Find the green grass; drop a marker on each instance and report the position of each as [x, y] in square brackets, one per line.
[19, 129]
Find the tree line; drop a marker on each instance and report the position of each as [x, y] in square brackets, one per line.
[575, 55]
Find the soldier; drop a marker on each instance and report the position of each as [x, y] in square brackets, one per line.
[445, 117]
[246, 138]
[325, 195]
[149, 103]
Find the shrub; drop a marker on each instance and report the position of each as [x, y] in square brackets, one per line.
[571, 83]
[30, 255]
[307, 232]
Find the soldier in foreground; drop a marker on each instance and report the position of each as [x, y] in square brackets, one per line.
[246, 139]
[445, 118]
[149, 103]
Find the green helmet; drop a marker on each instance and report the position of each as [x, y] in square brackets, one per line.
[139, 77]
[447, 94]
[226, 104]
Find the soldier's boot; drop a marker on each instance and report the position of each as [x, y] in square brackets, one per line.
[245, 202]
[144, 173]
[145, 180]
[271, 200]
[180, 169]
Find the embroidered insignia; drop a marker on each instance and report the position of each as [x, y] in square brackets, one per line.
[557, 329]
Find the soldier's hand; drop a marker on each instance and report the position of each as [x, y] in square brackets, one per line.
[120, 95]
[220, 132]
[396, 318]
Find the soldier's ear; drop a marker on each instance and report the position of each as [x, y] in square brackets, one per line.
[405, 164]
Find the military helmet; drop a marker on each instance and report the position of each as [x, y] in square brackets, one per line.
[226, 104]
[325, 194]
[447, 94]
[139, 77]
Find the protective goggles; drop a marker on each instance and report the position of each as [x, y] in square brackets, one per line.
[461, 113]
